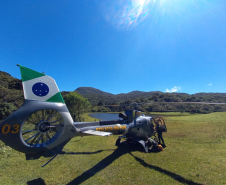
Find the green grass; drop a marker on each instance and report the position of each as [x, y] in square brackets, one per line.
[195, 153]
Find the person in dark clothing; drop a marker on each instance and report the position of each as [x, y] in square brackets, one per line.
[153, 145]
[159, 131]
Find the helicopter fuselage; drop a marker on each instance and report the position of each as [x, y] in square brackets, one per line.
[139, 127]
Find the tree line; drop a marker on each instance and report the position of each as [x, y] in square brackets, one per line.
[175, 97]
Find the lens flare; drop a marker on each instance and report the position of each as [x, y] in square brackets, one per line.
[126, 14]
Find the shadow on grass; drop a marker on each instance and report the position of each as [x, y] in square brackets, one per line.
[38, 181]
[121, 150]
[170, 174]
[73, 153]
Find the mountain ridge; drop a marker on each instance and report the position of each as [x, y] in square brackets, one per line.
[92, 90]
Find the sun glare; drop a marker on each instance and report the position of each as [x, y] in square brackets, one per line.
[126, 14]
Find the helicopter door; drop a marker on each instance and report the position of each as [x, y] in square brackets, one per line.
[150, 126]
[161, 122]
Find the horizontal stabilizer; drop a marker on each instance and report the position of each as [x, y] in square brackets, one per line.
[97, 133]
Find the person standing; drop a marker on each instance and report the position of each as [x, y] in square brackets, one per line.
[159, 131]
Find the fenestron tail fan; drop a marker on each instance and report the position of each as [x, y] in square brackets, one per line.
[43, 124]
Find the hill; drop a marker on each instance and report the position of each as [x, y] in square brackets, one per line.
[91, 90]
[96, 96]
[136, 94]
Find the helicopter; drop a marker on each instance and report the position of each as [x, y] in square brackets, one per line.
[42, 126]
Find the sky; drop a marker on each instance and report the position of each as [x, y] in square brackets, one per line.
[118, 46]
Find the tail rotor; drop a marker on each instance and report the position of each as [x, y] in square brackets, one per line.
[42, 128]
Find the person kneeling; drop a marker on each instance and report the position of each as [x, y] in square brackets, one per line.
[153, 145]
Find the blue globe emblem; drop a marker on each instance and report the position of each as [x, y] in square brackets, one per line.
[40, 89]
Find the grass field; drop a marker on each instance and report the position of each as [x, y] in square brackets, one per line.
[195, 154]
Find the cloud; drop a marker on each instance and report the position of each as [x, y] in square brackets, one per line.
[174, 89]
[210, 84]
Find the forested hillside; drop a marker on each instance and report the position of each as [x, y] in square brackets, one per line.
[98, 97]
[11, 94]
[182, 97]
[11, 98]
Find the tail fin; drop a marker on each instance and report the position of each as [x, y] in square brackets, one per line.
[38, 86]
